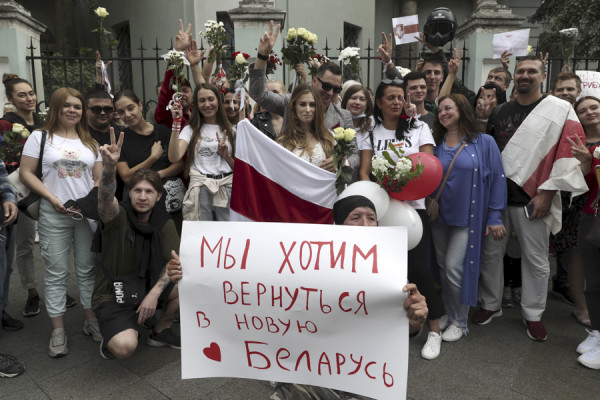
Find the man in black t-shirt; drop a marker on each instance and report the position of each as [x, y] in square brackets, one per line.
[99, 109]
[532, 230]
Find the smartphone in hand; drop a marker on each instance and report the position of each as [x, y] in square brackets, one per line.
[71, 204]
[528, 210]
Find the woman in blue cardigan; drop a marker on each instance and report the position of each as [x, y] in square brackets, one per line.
[469, 207]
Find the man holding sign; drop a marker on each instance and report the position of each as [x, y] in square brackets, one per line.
[137, 240]
[352, 210]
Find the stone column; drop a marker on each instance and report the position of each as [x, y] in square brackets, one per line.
[251, 20]
[478, 30]
[17, 31]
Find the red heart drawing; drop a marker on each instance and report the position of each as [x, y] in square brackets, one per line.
[213, 352]
[201, 317]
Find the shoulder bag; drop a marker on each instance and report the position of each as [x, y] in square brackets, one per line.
[431, 203]
[28, 202]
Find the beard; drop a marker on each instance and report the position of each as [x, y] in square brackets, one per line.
[525, 89]
[99, 126]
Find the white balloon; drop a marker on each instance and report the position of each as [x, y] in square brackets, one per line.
[401, 214]
[371, 191]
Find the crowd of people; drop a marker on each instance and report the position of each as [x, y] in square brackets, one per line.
[520, 181]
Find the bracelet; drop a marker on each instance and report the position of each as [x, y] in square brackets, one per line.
[262, 57]
[176, 127]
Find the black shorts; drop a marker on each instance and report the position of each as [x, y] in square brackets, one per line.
[114, 318]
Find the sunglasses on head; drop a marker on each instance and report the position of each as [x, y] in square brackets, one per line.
[98, 110]
[394, 81]
[328, 86]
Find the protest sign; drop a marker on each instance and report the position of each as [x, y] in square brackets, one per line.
[406, 29]
[590, 83]
[301, 303]
[515, 41]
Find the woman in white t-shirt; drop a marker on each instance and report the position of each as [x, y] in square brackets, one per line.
[209, 141]
[357, 100]
[394, 126]
[71, 167]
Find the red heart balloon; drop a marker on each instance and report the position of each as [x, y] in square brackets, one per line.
[426, 183]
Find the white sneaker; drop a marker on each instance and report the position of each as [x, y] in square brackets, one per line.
[91, 328]
[591, 342]
[443, 322]
[453, 333]
[591, 358]
[432, 346]
[58, 343]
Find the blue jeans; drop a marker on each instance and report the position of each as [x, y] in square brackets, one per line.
[57, 233]
[450, 244]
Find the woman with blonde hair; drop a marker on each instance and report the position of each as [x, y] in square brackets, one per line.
[209, 141]
[71, 167]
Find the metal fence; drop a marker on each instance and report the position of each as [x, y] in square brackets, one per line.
[144, 72]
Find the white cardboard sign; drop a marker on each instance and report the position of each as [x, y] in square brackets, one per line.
[515, 41]
[309, 304]
[590, 83]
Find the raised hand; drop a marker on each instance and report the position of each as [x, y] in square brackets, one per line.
[409, 108]
[193, 55]
[99, 63]
[432, 48]
[485, 106]
[544, 57]
[176, 110]
[385, 48]
[268, 39]
[419, 64]
[579, 151]
[112, 152]
[183, 38]
[504, 58]
[222, 148]
[454, 63]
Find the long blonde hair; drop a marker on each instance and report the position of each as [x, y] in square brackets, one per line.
[52, 124]
[292, 135]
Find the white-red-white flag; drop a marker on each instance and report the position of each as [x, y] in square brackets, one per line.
[271, 184]
[538, 156]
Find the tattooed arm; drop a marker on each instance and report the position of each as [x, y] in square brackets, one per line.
[148, 306]
[108, 206]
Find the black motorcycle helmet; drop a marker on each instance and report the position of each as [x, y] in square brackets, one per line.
[440, 26]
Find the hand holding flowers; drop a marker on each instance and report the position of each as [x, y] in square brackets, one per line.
[351, 58]
[11, 144]
[394, 175]
[300, 46]
[216, 36]
[344, 146]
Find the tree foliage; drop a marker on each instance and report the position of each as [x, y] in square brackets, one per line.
[556, 15]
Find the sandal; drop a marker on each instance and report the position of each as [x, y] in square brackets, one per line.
[582, 316]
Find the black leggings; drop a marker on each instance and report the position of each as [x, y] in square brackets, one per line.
[418, 271]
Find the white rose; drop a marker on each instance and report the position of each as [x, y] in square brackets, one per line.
[349, 135]
[101, 12]
[240, 59]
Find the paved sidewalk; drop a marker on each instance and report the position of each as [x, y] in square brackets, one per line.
[496, 361]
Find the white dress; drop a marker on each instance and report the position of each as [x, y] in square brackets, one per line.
[317, 157]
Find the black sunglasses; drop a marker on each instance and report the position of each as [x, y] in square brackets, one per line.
[328, 86]
[98, 110]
